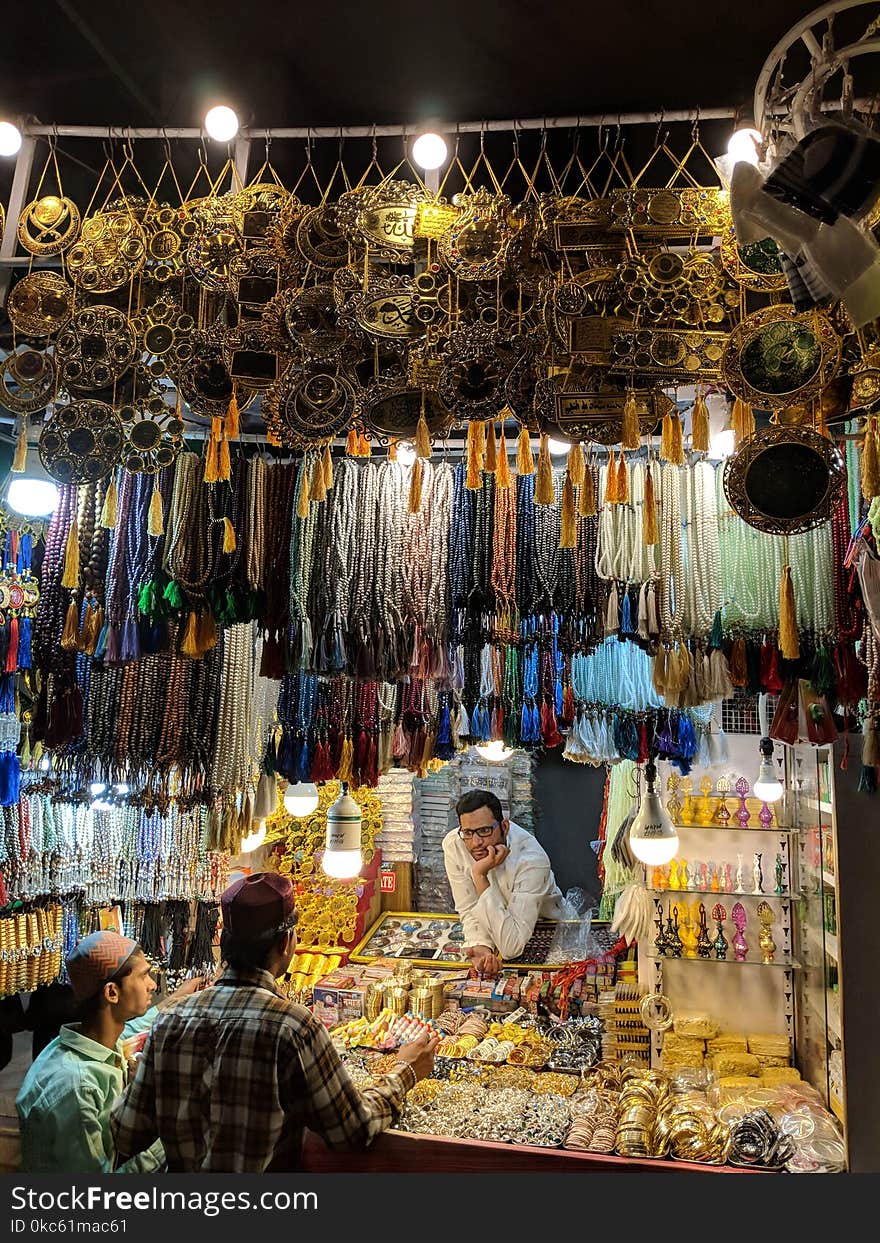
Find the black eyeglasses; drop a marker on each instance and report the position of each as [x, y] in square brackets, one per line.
[485, 830]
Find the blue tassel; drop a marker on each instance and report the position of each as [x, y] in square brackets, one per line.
[101, 646]
[285, 760]
[716, 640]
[131, 646]
[10, 778]
[524, 724]
[304, 768]
[475, 722]
[485, 725]
[25, 651]
[7, 692]
[626, 626]
[687, 738]
[536, 723]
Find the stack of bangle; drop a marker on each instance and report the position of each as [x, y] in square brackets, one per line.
[757, 1140]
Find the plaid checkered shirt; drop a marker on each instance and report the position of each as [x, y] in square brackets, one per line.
[231, 1076]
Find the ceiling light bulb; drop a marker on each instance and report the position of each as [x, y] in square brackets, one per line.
[768, 787]
[495, 751]
[557, 447]
[32, 498]
[744, 145]
[429, 151]
[253, 841]
[406, 453]
[342, 857]
[301, 799]
[96, 788]
[45, 764]
[652, 835]
[10, 138]
[722, 444]
[120, 788]
[221, 123]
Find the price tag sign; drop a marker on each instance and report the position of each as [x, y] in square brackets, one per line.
[387, 880]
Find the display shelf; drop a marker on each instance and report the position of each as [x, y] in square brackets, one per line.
[829, 879]
[790, 964]
[826, 942]
[728, 893]
[733, 827]
[832, 1013]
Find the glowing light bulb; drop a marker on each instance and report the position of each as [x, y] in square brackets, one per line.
[97, 787]
[768, 787]
[221, 123]
[10, 138]
[652, 835]
[301, 798]
[429, 151]
[406, 453]
[253, 841]
[744, 145]
[45, 764]
[557, 447]
[342, 857]
[495, 751]
[32, 498]
[722, 444]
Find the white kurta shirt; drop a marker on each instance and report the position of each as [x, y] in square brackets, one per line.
[521, 891]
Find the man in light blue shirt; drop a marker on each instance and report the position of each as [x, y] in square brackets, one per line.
[64, 1102]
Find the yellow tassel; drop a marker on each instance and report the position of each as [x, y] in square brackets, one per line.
[577, 468]
[502, 473]
[474, 479]
[491, 464]
[302, 501]
[328, 467]
[870, 462]
[743, 421]
[189, 646]
[676, 448]
[232, 419]
[611, 480]
[351, 445]
[70, 578]
[206, 633]
[568, 520]
[156, 514]
[666, 437]
[19, 462]
[392, 457]
[317, 491]
[216, 427]
[650, 534]
[525, 463]
[68, 634]
[364, 447]
[544, 492]
[749, 421]
[109, 508]
[587, 495]
[97, 627]
[423, 438]
[229, 541]
[224, 465]
[272, 437]
[415, 487]
[788, 634]
[346, 756]
[480, 440]
[622, 481]
[631, 438]
[212, 464]
[700, 425]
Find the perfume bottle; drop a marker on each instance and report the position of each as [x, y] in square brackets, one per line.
[704, 808]
[740, 945]
[780, 875]
[714, 884]
[660, 940]
[687, 807]
[673, 875]
[688, 933]
[673, 802]
[673, 940]
[720, 944]
[739, 875]
[765, 936]
[704, 876]
[721, 815]
[757, 874]
[704, 945]
[726, 877]
[742, 788]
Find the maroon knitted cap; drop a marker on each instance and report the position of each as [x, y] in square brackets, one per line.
[256, 904]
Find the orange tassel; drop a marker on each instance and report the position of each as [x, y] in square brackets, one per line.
[415, 487]
[392, 457]
[71, 623]
[189, 646]
[622, 481]
[676, 447]
[544, 491]
[502, 473]
[587, 495]
[423, 437]
[525, 463]
[206, 633]
[19, 461]
[216, 427]
[302, 501]
[272, 437]
[70, 577]
[364, 447]
[631, 436]
[97, 627]
[328, 467]
[232, 418]
[224, 465]
[109, 508]
[229, 541]
[788, 633]
[650, 534]
[212, 463]
[156, 513]
[700, 425]
[568, 519]
[491, 449]
[351, 445]
[577, 468]
[317, 491]
[870, 462]
[474, 480]
[611, 480]
[666, 437]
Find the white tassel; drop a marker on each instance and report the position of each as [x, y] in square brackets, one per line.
[612, 613]
[653, 622]
[643, 612]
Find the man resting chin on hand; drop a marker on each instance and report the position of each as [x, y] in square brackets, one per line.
[501, 881]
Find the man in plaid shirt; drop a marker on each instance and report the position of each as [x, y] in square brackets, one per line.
[230, 1077]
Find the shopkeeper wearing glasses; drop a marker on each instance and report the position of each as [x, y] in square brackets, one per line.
[501, 880]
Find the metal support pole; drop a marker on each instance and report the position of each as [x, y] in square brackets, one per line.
[241, 154]
[21, 180]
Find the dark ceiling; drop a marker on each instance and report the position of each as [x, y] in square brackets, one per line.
[326, 63]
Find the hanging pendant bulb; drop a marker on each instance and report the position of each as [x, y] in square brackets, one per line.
[342, 857]
[301, 799]
[652, 836]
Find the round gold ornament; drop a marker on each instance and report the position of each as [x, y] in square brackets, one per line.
[49, 225]
[210, 254]
[40, 304]
[27, 381]
[783, 480]
[95, 348]
[82, 442]
[777, 357]
[382, 217]
[205, 382]
[153, 436]
[307, 406]
[111, 250]
[319, 239]
[168, 230]
[166, 332]
[756, 266]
